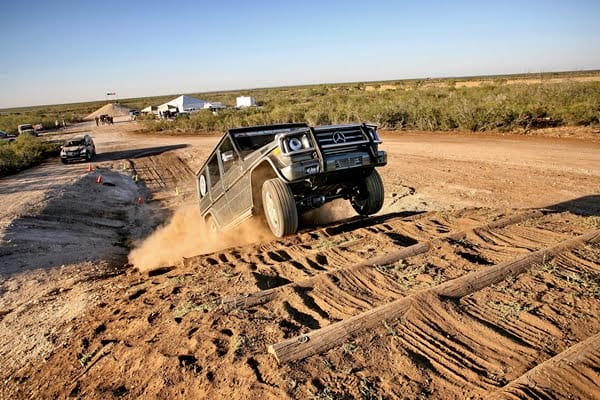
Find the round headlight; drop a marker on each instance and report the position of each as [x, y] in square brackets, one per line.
[295, 144]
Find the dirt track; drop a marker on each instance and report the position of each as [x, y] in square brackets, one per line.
[76, 322]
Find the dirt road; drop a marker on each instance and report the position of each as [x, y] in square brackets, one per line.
[77, 320]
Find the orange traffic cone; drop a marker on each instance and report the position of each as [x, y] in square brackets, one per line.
[89, 168]
[140, 201]
[99, 180]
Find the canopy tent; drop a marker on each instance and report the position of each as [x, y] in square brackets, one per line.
[150, 110]
[183, 104]
[168, 107]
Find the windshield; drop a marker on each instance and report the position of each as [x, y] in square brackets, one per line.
[26, 127]
[247, 144]
[74, 142]
[251, 141]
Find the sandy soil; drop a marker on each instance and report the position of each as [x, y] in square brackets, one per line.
[77, 319]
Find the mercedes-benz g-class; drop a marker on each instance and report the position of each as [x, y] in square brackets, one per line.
[281, 171]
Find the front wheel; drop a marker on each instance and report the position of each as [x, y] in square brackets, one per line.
[279, 207]
[369, 197]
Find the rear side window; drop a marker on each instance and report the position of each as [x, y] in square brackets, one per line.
[213, 171]
[228, 155]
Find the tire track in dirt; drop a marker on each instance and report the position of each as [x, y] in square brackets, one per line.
[290, 259]
[334, 249]
[565, 376]
[440, 348]
[506, 331]
[368, 284]
[461, 348]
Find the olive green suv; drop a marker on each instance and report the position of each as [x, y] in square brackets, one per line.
[281, 171]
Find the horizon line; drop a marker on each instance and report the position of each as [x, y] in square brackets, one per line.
[517, 74]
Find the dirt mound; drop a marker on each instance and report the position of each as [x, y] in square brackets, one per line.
[112, 109]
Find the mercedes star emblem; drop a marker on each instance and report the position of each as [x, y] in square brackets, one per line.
[338, 137]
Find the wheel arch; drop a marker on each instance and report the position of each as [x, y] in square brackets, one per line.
[210, 216]
[260, 173]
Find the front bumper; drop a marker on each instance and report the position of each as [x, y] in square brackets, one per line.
[74, 156]
[333, 163]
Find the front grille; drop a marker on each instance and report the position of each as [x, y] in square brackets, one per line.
[345, 149]
[333, 139]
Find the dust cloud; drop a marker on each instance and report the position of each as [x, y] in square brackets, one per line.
[186, 235]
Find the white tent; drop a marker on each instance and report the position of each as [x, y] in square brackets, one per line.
[245, 101]
[183, 104]
[150, 110]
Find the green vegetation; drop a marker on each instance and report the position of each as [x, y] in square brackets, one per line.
[487, 107]
[27, 150]
[502, 103]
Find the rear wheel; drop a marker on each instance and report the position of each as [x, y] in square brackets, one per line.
[369, 198]
[279, 207]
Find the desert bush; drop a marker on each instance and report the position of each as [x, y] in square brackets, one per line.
[27, 150]
[436, 104]
[491, 106]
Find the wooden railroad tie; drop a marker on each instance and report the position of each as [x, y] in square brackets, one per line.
[265, 296]
[323, 339]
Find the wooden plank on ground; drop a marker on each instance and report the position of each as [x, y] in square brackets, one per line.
[325, 338]
[572, 374]
[264, 296]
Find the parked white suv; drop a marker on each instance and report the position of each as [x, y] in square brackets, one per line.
[26, 128]
[78, 148]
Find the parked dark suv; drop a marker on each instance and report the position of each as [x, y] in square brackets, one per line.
[7, 137]
[78, 148]
[281, 171]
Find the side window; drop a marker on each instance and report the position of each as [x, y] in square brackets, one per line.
[228, 155]
[213, 171]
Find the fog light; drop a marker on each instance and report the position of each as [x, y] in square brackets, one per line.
[312, 170]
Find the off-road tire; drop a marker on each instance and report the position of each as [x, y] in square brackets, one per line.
[279, 207]
[369, 200]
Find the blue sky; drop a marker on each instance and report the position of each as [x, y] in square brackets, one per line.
[68, 51]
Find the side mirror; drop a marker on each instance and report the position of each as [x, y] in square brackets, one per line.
[227, 156]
